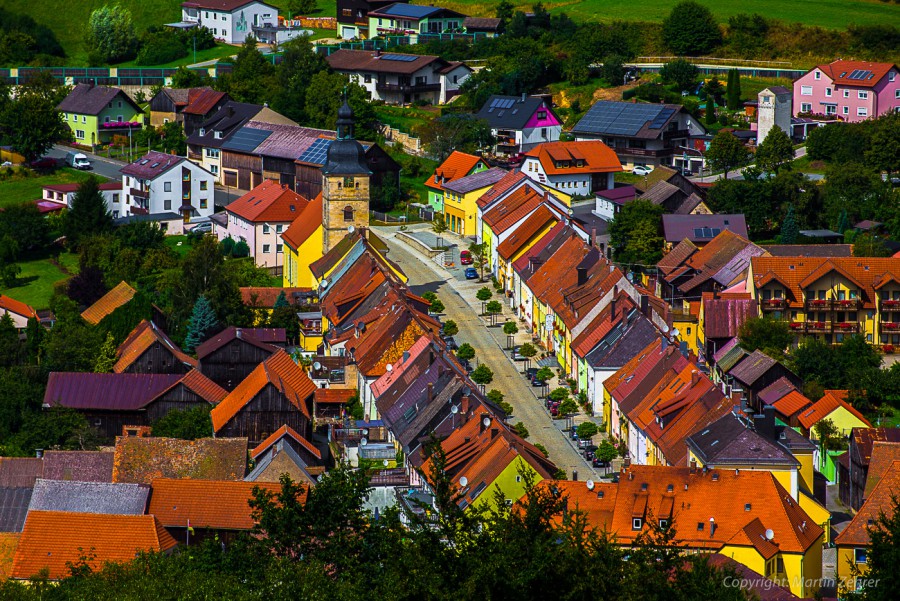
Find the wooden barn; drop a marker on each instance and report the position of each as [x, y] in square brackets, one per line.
[277, 393]
[147, 350]
[232, 354]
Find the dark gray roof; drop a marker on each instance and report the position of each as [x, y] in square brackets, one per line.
[482, 179]
[226, 121]
[89, 497]
[820, 234]
[509, 112]
[149, 217]
[623, 342]
[809, 250]
[627, 119]
[14, 502]
[731, 440]
[481, 23]
[86, 99]
[701, 228]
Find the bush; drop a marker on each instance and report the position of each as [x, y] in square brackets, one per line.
[521, 430]
[160, 48]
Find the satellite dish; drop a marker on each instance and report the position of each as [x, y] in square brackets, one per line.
[323, 284]
[464, 482]
[351, 229]
[770, 534]
[317, 366]
[675, 333]
[389, 367]
[589, 484]
[665, 329]
[486, 421]
[365, 431]
[363, 442]
[385, 462]
[454, 409]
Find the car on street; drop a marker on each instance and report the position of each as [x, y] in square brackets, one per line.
[451, 343]
[465, 258]
[77, 160]
[471, 273]
[537, 383]
[598, 463]
[516, 355]
[642, 170]
[531, 372]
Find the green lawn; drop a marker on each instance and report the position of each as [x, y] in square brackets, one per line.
[405, 119]
[806, 165]
[179, 244]
[220, 51]
[35, 282]
[20, 189]
[831, 14]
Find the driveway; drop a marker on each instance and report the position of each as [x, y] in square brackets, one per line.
[458, 296]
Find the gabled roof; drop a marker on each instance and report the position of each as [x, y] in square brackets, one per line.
[731, 441]
[286, 432]
[510, 112]
[258, 337]
[858, 74]
[202, 386]
[377, 62]
[677, 257]
[143, 459]
[201, 101]
[215, 504]
[83, 466]
[14, 501]
[105, 392]
[88, 99]
[476, 181]
[561, 158]
[509, 181]
[776, 391]
[141, 338]
[89, 497]
[879, 501]
[305, 224]
[387, 339]
[269, 202]
[826, 405]
[17, 307]
[884, 454]
[791, 403]
[457, 165]
[722, 254]
[152, 165]
[53, 540]
[108, 303]
[280, 371]
[481, 23]
[412, 11]
[529, 228]
[765, 589]
[753, 367]
[636, 120]
[528, 263]
[701, 228]
[513, 208]
[723, 317]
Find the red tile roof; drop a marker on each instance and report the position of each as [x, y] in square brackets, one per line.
[285, 431]
[334, 395]
[17, 307]
[596, 157]
[52, 540]
[202, 100]
[269, 202]
[521, 264]
[880, 501]
[108, 303]
[508, 182]
[792, 403]
[304, 225]
[65, 188]
[141, 338]
[216, 504]
[839, 71]
[203, 387]
[458, 164]
[514, 207]
[828, 403]
[601, 325]
[529, 228]
[280, 371]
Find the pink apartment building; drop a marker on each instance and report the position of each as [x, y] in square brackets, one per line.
[258, 218]
[848, 90]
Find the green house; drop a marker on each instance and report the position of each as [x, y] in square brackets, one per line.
[97, 113]
[406, 19]
[457, 165]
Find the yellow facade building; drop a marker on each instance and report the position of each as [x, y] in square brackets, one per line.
[461, 196]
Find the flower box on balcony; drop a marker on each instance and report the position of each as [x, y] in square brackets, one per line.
[775, 302]
[847, 326]
[796, 325]
[891, 325]
[888, 348]
[818, 303]
[847, 303]
[890, 303]
[817, 324]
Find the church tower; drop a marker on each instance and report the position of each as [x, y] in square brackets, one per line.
[345, 183]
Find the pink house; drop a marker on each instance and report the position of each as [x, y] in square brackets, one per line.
[258, 218]
[848, 90]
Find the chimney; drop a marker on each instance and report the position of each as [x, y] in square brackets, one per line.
[582, 275]
[765, 422]
[693, 466]
[593, 236]
[712, 526]
[464, 404]
[645, 305]
[494, 433]
[523, 97]
[695, 377]
[39, 453]
[626, 462]
[612, 307]
[430, 392]
[574, 477]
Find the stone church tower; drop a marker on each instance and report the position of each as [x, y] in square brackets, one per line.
[345, 183]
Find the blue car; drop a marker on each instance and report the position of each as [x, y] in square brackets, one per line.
[471, 273]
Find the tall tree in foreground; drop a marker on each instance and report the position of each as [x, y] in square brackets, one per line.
[771, 336]
[201, 325]
[88, 214]
[775, 152]
[726, 152]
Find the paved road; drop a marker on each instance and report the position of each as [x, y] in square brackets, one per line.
[454, 292]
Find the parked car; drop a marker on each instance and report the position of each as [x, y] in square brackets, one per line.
[45, 164]
[537, 383]
[516, 356]
[531, 372]
[465, 258]
[598, 463]
[573, 434]
[471, 273]
[77, 160]
[451, 343]
[642, 170]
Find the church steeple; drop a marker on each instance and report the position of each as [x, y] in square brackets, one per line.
[346, 156]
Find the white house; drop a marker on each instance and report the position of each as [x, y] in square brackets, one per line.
[519, 123]
[18, 311]
[229, 20]
[401, 78]
[64, 193]
[575, 168]
[162, 184]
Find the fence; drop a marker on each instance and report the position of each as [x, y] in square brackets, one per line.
[721, 66]
[111, 76]
[393, 41]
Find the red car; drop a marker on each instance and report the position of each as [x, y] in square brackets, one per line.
[465, 258]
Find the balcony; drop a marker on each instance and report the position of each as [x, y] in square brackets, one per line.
[773, 304]
[797, 326]
[678, 133]
[645, 152]
[851, 304]
[846, 327]
[890, 327]
[890, 305]
[818, 304]
[138, 193]
[819, 327]
[120, 125]
[408, 88]
[828, 304]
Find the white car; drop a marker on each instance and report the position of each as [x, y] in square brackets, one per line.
[642, 170]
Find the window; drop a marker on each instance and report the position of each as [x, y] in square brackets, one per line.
[367, 78]
[265, 228]
[119, 119]
[79, 134]
[456, 79]
[663, 524]
[267, 248]
[860, 555]
[278, 228]
[83, 119]
[637, 523]
[217, 135]
[846, 93]
[119, 105]
[863, 95]
[846, 110]
[806, 90]
[106, 119]
[115, 198]
[891, 75]
[818, 75]
[279, 249]
[862, 111]
[805, 107]
[115, 214]
[167, 187]
[212, 153]
[828, 92]
[214, 169]
[897, 93]
[348, 213]
[167, 204]
[203, 184]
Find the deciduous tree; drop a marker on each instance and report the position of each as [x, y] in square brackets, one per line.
[690, 29]
[110, 34]
[482, 375]
[106, 358]
[681, 73]
[775, 152]
[766, 334]
[189, 424]
[726, 152]
[635, 233]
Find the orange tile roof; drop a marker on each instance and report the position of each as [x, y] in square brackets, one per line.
[828, 403]
[203, 387]
[457, 165]
[529, 228]
[626, 373]
[506, 212]
[305, 224]
[389, 338]
[791, 403]
[17, 307]
[140, 460]
[839, 70]
[677, 256]
[796, 273]
[280, 433]
[269, 202]
[266, 296]
[508, 182]
[108, 303]
[558, 272]
[280, 371]
[334, 395]
[216, 504]
[884, 454]
[693, 497]
[141, 338]
[714, 256]
[8, 543]
[597, 157]
[51, 540]
[881, 500]
[601, 325]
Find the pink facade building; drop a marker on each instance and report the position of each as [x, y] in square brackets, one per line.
[848, 90]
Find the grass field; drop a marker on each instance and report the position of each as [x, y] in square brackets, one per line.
[179, 244]
[220, 51]
[831, 14]
[20, 189]
[35, 283]
[406, 119]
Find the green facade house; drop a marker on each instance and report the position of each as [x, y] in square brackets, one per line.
[97, 113]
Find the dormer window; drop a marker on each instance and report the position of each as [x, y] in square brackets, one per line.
[637, 523]
[542, 114]
[202, 131]
[217, 135]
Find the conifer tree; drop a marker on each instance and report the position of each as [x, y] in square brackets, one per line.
[201, 325]
[88, 214]
[789, 228]
[106, 358]
[710, 110]
[281, 301]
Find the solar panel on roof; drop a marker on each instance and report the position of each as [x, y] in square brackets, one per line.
[661, 119]
[246, 139]
[403, 58]
[317, 153]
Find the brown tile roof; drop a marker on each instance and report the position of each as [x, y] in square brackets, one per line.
[108, 303]
[13, 306]
[269, 202]
[284, 431]
[202, 100]
[512, 209]
[215, 504]
[259, 337]
[601, 325]
[828, 403]
[840, 70]
[809, 250]
[20, 472]
[482, 23]
[52, 540]
[720, 253]
[266, 296]
[677, 256]
[457, 165]
[280, 371]
[335, 395]
[880, 501]
[141, 460]
[305, 224]
[723, 317]
[864, 440]
[558, 273]
[203, 387]
[366, 60]
[596, 157]
[753, 367]
[529, 228]
[141, 338]
[81, 466]
[884, 454]
[385, 341]
[8, 543]
[508, 182]
[86, 99]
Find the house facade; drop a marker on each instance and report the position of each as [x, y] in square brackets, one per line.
[401, 78]
[163, 184]
[64, 193]
[18, 311]
[848, 90]
[353, 16]
[460, 197]
[97, 113]
[229, 20]
[519, 123]
[406, 19]
[575, 168]
[188, 106]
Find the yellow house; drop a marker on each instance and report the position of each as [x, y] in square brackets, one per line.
[461, 195]
[854, 541]
[833, 406]
[745, 515]
[303, 246]
[538, 225]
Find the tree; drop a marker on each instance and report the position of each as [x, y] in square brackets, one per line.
[9, 253]
[323, 99]
[484, 294]
[544, 374]
[301, 7]
[88, 214]
[465, 352]
[510, 329]
[634, 233]
[251, 78]
[24, 222]
[520, 430]
[772, 336]
[710, 114]
[479, 256]
[789, 228]
[775, 152]
[606, 451]
[884, 152]
[870, 245]
[681, 73]
[281, 301]
[86, 287]
[439, 226]
[586, 430]
[437, 307]
[504, 12]
[30, 122]
[188, 424]
[726, 152]
[494, 308]
[482, 375]
[299, 63]
[205, 272]
[690, 29]
[455, 131]
[201, 325]
[567, 406]
[528, 351]
[111, 37]
[715, 89]
[496, 397]
[10, 345]
[107, 356]
[734, 90]
[450, 328]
